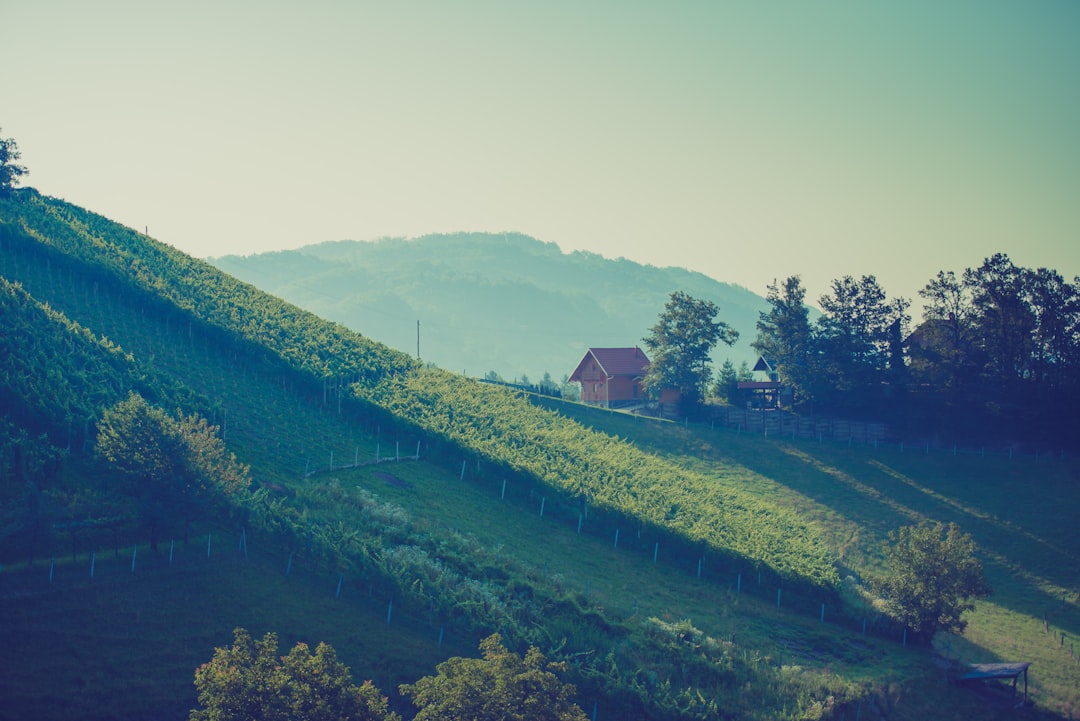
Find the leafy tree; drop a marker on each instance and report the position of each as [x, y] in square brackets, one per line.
[785, 336]
[249, 681]
[945, 351]
[933, 575]
[1004, 318]
[170, 465]
[501, 686]
[10, 171]
[680, 344]
[854, 339]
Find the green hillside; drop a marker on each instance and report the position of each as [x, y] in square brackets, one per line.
[680, 571]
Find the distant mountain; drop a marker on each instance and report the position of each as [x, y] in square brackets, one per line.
[507, 303]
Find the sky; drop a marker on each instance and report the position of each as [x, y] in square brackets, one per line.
[750, 141]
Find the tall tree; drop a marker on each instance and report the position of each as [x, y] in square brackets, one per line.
[1056, 345]
[853, 339]
[933, 577]
[944, 352]
[785, 336]
[680, 345]
[501, 686]
[248, 681]
[10, 171]
[1004, 319]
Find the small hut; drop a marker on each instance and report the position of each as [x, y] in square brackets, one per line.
[999, 671]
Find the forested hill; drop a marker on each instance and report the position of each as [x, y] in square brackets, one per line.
[489, 302]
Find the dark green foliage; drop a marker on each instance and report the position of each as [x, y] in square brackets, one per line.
[501, 686]
[853, 342]
[785, 338]
[173, 466]
[249, 681]
[933, 575]
[998, 354]
[10, 171]
[680, 347]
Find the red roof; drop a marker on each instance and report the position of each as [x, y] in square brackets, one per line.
[631, 362]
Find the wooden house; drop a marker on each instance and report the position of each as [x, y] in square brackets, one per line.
[611, 376]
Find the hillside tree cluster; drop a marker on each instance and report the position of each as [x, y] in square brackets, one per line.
[250, 681]
[995, 358]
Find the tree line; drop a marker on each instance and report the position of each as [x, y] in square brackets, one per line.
[995, 358]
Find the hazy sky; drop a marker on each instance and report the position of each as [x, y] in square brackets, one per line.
[745, 140]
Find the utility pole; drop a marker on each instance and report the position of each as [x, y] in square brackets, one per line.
[417, 340]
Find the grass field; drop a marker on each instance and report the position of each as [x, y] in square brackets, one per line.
[1021, 512]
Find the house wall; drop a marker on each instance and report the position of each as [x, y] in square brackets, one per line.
[597, 388]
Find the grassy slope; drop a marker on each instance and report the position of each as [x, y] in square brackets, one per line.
[821, 484]
[1022, 513]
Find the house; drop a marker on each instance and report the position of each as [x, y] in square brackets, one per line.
[611, 376]
[765, 391]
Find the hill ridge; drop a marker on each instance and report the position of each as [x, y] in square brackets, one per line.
[502, 302]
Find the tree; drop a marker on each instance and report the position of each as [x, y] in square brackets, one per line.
[853, 339]
[785, 337]
[727, 382]
[249, 681]
[10, 172]
[933, 575]
[680, 344]
[170, 465]
[501, 686]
